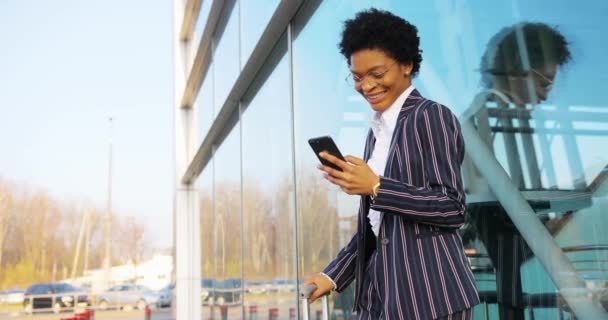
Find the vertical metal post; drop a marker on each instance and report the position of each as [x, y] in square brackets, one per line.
[305, 309]
[513, 159]
[107, 263]
[545, 149]
[575, 163]
[186, 207]
[325, 306]
[530, 155]
[485, 310]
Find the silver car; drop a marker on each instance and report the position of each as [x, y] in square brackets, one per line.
[127, 296]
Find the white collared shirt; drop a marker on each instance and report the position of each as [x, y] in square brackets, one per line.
[383, 125]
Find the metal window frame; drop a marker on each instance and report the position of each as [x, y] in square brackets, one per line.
[283, 14]
[186, 213]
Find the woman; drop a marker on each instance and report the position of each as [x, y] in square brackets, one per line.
[406, 255]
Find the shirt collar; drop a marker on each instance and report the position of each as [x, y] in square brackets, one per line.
[389, 116]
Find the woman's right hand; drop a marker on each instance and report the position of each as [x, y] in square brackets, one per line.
[324, 286]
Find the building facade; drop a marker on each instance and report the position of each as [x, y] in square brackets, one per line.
[254, 80]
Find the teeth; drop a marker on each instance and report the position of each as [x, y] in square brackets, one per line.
[374, 96]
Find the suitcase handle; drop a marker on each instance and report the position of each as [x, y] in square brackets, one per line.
[305, 292]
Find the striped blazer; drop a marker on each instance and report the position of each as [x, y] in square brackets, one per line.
[421, 271]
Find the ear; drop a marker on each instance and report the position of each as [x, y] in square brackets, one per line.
[406, 69]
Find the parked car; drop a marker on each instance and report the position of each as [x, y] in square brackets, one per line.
[221, 292]
[126, 296]
[165, 296]
[53, 296]
[228, 291]
[12, 296]
[283, 285]
[206, 289]
[256, 287]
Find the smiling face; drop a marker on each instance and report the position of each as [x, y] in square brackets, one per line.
[542, 81]
[532, 87]
[379, 78]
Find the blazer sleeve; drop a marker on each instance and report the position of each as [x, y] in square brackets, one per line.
[441, 202]
[342, 269]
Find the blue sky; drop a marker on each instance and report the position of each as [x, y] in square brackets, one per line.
[65, 68]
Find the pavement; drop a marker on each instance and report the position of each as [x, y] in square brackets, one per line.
[159, 314]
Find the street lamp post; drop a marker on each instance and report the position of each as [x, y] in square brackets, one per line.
[108, 220]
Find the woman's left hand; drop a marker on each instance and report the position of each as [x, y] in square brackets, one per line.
[356, 176]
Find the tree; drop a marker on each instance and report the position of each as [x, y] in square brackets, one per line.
[39, 236]
[6, 212]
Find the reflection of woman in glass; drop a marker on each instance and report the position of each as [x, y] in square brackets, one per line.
[521, 61]
[406, 256]
[518, 70]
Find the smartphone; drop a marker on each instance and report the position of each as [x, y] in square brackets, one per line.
[326, 143]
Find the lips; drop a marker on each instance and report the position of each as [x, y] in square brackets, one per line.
[375, 98]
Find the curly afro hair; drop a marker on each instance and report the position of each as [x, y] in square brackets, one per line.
[544, 45]
[379, 29]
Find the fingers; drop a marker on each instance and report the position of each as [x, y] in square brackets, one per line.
[318, 293]
[343, 184]
[354, 160]
[338, 162]
[355, 177]
[323, 286]
[314, 296]
[332, 172]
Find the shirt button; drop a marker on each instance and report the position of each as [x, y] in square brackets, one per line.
[384, 241]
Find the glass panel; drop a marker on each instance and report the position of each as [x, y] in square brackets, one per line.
[205, 186]
[543, 117]
[324, 104]
[204, 103]
[226, 54]
[254, 19]
[227, 285]
[268, 193]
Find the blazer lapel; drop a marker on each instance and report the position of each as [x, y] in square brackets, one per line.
[409, 105]
[370, 142]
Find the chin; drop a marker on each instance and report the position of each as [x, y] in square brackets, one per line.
[379, 107]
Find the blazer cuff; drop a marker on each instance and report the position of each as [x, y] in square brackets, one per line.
[330, 279]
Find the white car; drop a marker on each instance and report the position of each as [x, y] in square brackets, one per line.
[127, 296]
[165, 296]
[12, 296]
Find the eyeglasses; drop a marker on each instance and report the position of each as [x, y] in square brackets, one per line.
[373, 75]
[545, 81]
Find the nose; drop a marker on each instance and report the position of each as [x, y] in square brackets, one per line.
[367, 85]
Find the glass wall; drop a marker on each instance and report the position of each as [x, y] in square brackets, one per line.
[205, 106]
[226, 282]
[324, 104]
[268, 191]
[528, 78]
[205, 187]
[254, 18]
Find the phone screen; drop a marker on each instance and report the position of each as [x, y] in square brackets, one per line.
[326, 143]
